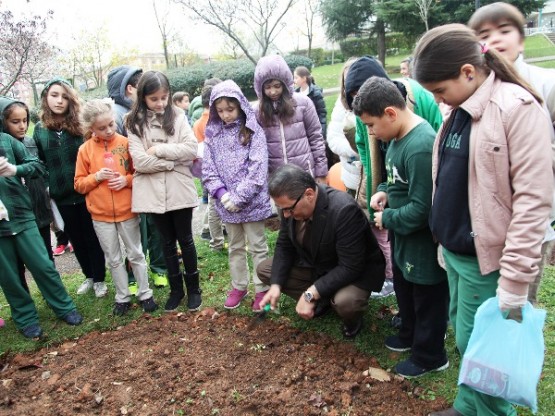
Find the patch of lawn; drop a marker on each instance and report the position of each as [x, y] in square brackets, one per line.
[327, 76]
[215, 284]
[538, 45]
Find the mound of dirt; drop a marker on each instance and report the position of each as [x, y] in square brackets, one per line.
[204, 364]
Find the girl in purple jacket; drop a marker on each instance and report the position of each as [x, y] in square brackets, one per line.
[289, 119]
[235, 173]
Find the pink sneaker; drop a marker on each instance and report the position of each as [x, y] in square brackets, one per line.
[59, 250]
[234, 298]
[256, 303]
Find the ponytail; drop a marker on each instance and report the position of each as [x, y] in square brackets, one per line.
[442, 51]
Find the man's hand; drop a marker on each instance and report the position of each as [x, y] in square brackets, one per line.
[117, 182]
[6, 168]
[305, 309]
[271, 296]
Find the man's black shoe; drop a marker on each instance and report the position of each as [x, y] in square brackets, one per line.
[351, 330]
[323, 306]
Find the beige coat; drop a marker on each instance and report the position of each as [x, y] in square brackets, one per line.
[163, 182]
[510, 180]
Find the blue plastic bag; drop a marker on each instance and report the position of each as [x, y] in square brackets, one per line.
[504, 358]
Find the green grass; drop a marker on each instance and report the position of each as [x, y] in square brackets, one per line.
[538, 46]
[215, 282]
[327, 76]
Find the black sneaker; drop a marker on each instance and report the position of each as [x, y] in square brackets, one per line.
[408, 369]
[394, 343]
[121, 309]
[205, 235]
[173, 302]
[32, 331]
[73, 318]
[396, 322]
[149, 305]
[351, 330]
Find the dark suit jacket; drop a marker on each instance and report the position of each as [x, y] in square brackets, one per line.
[344, 249]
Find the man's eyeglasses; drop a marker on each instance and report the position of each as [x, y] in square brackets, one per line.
[292, 207]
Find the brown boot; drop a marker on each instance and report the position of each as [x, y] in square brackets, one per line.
[447, 412]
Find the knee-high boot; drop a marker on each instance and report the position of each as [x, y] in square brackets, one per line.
[194, 298]
[176, 292]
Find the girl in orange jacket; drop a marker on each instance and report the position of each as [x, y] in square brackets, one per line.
[104, 173]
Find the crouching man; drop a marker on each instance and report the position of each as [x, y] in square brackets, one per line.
[325, 255]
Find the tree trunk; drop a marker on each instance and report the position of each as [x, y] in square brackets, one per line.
[380, 34]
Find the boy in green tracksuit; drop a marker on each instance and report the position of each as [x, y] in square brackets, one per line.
[402, 205]
[20, 237]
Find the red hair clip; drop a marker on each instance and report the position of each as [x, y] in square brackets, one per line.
[484, 48]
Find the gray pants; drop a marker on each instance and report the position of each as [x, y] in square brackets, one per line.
[108, 234]
[349, 302]
[213, 222]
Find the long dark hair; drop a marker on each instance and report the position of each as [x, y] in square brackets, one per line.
[284, 108]
[442, 51]
[303, 71]
[150, 82]
[245, 132]
[70, 120]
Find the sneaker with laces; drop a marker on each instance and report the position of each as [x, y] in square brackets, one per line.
[149, 305]
[409, 369]
[256, 303]
[160, 280]
[59, 250]
[394, 343]
[100, 289]
[234, 298]
[121, 308]
[32, 331]
[387, 290]
[73, 318]
[85, 286]
[133, 288]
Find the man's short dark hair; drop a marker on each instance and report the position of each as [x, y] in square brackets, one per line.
[375, 95]
[134, 79]
[290, 181]
[178, 96]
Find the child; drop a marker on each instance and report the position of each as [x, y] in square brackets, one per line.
[58, 137]
[290, 122]
[212, 223]
[493, 185]
[181, 99]
[163, 148]
[501, 26]
[20, 238]
[14, 121]
[404, 67]
[104, 174]
[235, 172]
[422, 293]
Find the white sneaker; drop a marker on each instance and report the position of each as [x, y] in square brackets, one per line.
[100, 289]
[85, 287]
[387, 290]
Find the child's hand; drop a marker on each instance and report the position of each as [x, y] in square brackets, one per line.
[228, 204]
[378, 201]
[378, 219]
[117, 182]
[104, 174]
[6, 168]
[151, 151]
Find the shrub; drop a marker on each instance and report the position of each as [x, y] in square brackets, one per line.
[294, 61]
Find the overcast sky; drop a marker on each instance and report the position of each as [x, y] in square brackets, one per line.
[132, 23]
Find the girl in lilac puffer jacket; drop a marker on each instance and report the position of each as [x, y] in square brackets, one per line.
[289, 119]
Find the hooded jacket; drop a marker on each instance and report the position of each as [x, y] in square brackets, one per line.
[117, 84]
[103, 203]
[241, 169]
[37, 185]
[299, 139]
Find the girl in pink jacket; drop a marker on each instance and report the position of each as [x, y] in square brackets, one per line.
[493, 184]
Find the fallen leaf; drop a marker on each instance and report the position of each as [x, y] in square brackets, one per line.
[123, 410]
[45, 375]
[211, 276]
[316, 400]
[98, 398]
[7, 383]
[52, 353]
[377, 374]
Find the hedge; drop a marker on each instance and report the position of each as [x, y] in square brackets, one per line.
[369, 46]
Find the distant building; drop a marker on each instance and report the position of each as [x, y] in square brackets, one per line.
[543, 20]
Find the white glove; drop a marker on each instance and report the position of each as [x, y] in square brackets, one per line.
[228, 204]
[509, 300]
[6, 168]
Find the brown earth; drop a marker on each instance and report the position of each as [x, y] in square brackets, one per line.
[203, 364]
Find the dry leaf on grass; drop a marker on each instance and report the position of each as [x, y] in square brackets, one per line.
[377, 374]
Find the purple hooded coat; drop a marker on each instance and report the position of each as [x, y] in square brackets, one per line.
[230, 166]
[299, 139]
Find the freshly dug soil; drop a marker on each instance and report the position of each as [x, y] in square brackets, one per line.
[203, 364]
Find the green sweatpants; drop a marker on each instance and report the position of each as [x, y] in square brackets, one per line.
[468, 290]
[29, 247]
[152, 244]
